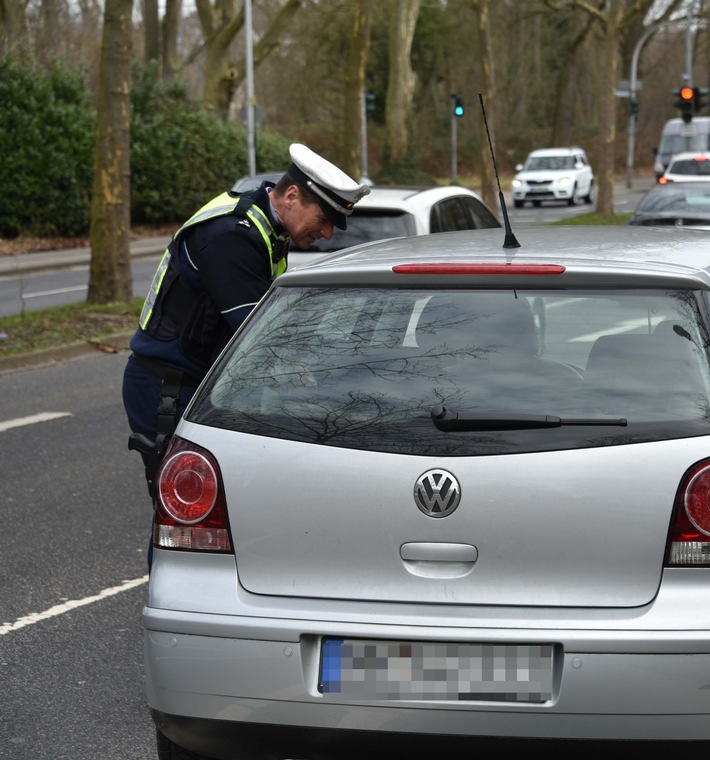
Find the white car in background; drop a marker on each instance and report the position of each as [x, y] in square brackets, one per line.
[389, 212]
[554, 174]
[687, 167]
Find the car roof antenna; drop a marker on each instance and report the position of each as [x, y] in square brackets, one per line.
[510, 240]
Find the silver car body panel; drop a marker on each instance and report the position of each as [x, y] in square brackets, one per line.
[580, 493]
[331, 543]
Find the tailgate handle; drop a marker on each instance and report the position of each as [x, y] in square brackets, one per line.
[436, 551]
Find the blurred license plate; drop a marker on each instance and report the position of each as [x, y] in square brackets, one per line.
[364, 669]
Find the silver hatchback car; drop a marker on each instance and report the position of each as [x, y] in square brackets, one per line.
[437, 490]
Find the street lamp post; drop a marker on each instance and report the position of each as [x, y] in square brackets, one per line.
[633, 103]
[249, 56]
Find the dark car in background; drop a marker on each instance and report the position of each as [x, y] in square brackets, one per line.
[437, 490]
[676, 204]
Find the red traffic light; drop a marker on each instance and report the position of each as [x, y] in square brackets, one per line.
[687, 93]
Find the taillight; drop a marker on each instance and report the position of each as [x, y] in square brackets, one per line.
[191, 512]
[690, 532]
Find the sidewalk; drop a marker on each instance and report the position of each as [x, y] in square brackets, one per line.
[27, 263]
[34, 262]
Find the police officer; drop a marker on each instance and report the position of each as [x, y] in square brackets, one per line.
[216, 268]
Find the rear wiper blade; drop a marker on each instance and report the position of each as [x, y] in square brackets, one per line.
[446, 420]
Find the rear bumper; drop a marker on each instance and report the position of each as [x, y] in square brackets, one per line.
[242, 665]
[253, 741]
[260, 683]
[550, 194]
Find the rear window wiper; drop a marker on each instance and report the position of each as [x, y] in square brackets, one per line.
[446, 420]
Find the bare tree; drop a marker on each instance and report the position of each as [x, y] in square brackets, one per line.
[569, 74]
[613, 20]
[489, 186]
[220, 23]
[400, 87]
[13, 28]
[170, 30]
[151, 31]
[110, 276]
[355, 87]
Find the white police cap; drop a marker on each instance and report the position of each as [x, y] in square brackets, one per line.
[336, 192]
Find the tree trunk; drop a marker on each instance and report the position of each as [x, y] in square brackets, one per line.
[564, 104]
[607, 122]
[110, 276]
[400, 87]
[50, 36]
[220, 25]
[151, 31]
[13, 29]
[170, 29]
[355, 89]
[489, 185]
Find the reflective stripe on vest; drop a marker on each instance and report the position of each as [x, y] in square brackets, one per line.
[220, 206]
[149, 303]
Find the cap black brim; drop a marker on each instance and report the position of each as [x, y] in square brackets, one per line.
[339, 220]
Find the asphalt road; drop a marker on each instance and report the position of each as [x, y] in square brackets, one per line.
[76, 520]
[73, 575]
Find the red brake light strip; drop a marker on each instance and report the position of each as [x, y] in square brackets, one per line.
[489, 268]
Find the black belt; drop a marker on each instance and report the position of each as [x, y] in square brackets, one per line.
[166, 372]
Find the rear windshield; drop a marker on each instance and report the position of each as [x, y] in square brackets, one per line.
[461, 372]
[690, 166]
[673, 199]
[680, 143]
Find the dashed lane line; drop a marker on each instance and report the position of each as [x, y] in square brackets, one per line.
[32, 420]
[72, 604]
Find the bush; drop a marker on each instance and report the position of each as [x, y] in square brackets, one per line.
[181, 154]
[47, 133]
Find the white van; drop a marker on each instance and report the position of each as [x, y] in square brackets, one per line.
[679, 137]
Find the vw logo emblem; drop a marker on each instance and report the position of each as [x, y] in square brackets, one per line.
[437, 493]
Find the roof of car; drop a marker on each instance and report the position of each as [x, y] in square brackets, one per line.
[391, 197]
[636, 255]
[690, 156]
[555, 151]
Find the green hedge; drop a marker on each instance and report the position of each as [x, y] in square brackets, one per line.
[181, 154]
[47, 131]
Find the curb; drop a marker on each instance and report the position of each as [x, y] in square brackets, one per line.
[110, 344]
[69, 257]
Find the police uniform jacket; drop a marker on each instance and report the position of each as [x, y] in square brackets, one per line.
[215, 272]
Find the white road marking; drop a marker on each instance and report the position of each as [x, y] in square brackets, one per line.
[55, 292]
[32, 419]
[72, 604]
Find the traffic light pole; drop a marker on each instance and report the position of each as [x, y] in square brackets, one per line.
[454, 156]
